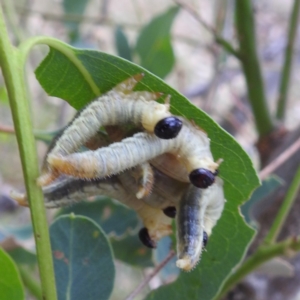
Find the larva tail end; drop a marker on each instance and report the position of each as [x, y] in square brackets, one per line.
[46, 179]
[157, 95]
[19, 197]
[184, 264]
[69, 165]
[138, 77]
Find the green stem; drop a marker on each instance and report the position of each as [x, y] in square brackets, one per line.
[12, 65]
[284, 210]
[263, 254]
[30, 283]
[251, 66]
[286, 69]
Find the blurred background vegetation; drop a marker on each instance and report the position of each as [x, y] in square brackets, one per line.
[195, 52]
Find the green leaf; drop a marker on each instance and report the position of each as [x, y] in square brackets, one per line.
[154, 45]
[114, 218]
[83, 261]
[75, 8]
[268, 186]
[131, 251]
[121, 224]
[122, 44]
[10, 282]
[84, 73]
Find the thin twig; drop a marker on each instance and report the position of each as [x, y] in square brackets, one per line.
[283, 157]
[75, 18]
[263, 254]
[284, 210]
[220, 40]
[6, 129]
[148, 278]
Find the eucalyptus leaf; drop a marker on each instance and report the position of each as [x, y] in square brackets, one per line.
[78, 76]
[74, 9]
[114, 218]
[122, 44]
[154, 45]
[131, 251]
[268, 186]
[83, 261]
[10, 284]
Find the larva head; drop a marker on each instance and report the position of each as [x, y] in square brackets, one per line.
[168, 128]
[202, 178]
[153, 113]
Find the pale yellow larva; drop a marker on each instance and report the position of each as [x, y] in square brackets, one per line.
[118, 106]
[191, 146]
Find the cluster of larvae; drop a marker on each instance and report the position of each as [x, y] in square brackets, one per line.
[161, 167]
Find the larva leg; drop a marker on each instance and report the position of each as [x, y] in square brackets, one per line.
[145, 179]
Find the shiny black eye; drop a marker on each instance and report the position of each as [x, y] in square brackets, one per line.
[168, 128]
[202, 178]
[145, 238]
[170, 211]
[205, 239]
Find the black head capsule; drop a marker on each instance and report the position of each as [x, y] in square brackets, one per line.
[202, 178]
[146, 239]
[170, 211]
[168, 128]
[205, 239]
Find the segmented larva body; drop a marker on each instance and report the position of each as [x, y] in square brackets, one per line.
[67, 190]
[165, 191]
[197, 213]
[118, 106]
[191, 146]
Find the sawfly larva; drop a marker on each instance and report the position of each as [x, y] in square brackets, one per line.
[66, 190]
[197, 210]
[119, 106]
[197, 213]
[191, 147]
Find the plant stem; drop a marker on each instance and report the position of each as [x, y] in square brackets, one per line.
[219, 39]
[284, 210]
[251, 66]
[12, 66]
[286, 69]
[30, 283]
[263, 254]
